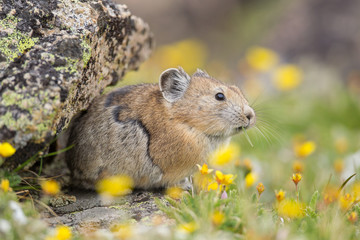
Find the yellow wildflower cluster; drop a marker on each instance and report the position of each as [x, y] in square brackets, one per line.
[225, 155]
[287, 77]
[250, 179]
[304, 149]
[115, 186]
[346, 201]
[189, 227]
[50, 187]
[204, 181]
[122, 231]
[175, 192]
[260, 188]
[291, 209]
[331, 194]
[61, 233]
[6, 150]
[189, 53]
[296, 178]
[341, 145]
[353, 217]
[280, 195]
[5, 185]
[218, 218]
[261, 59]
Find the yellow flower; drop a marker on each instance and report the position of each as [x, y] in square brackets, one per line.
[250, 179]
[346, 201]
[217, 218]
[287, 77]
[280, 195]
[115, 186]
[304, 149]
[261, 59]
[122, 231]
[189, 227]
[247, 164]
[224, 179]
[260, 188]
[331, 194]
[204, 170]
[50, 187]
[356, 190]
[353, 217]
[175, 192]
[6, 150]
[291, 209]
[201, 181]
[213, 186]
[224, 155]
[5, 185]
[296, 178]
[339, 165]
[298, 167]
[63, 233]
[189, 53]
[341, 145]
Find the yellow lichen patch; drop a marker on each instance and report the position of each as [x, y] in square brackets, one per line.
[6, 150]
[261, 59]
[50, 187]
[287, 77]
[224, 155]
[291, 209]
[115, 186]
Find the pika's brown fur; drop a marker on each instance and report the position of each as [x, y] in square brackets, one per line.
[156, 134]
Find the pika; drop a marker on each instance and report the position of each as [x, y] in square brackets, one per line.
[155, 133]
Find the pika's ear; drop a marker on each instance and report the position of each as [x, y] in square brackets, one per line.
[173, 84]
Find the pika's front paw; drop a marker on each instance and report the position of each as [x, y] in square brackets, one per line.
[185, 184]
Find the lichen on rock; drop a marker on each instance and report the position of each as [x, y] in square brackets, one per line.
[55, 57]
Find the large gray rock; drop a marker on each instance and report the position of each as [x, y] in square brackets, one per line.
[55, 57]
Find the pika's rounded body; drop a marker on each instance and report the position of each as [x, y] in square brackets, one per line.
[155, 134]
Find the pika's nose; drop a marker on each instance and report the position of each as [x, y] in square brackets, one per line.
[250, 115]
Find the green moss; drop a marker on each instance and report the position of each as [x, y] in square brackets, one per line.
[70, 66]
[15, 43]
[86, 52]
[41, 122]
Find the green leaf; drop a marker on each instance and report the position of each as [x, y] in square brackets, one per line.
[314, 199]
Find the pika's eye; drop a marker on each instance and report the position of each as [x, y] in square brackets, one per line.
[220, 96]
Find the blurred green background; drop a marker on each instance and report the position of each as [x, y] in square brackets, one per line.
[298, 63]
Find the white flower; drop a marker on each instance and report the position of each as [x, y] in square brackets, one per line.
[18, 214]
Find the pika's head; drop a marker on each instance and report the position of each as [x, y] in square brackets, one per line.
[204, 103]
